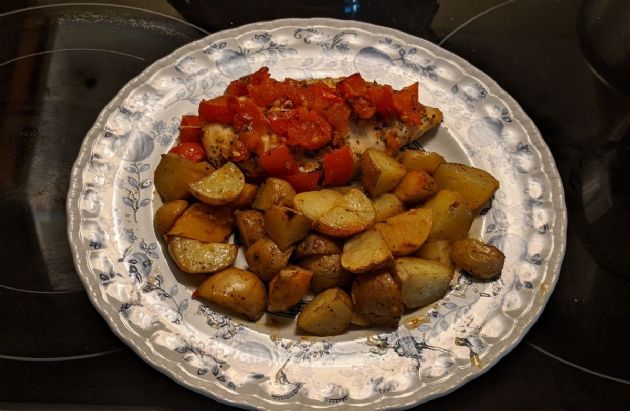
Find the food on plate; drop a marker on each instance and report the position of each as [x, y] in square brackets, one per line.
[422, 282]
[239, 290]
[329, 313]
[197, 257]
[481, 260]
[311, 176]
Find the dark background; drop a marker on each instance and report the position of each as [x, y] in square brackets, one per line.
[566, 62]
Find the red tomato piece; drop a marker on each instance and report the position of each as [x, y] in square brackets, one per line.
[407, 105]
[279, 120]
[236, 88]
[304, 181]
[385, 103]
[265, 92]
[279, 162]
[239, 87]
[250, 123]
[239, 151]
[259, 75]
[190, 134]
[352, 86]
[192, 121]
[338, 166]
[310, 131]
[338, 116]
[190, 151]
[217, 110]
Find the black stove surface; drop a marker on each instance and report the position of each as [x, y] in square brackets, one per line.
[566, 62]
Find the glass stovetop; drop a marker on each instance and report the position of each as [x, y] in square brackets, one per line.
[566, 62]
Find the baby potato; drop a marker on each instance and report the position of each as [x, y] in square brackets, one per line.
[316, 244]
[251, 226]
[315, 203]
[377, 299]
[350, 214]
[380, 172]
[451, 216]
[173, 175]
[329, 313]
[288, 288]
[286, 226]
[422, 282]
[404, 233]
[217, 141]
[236, 289]
[221, 187]
[327, 272]
[366, 252]
[196, 257]
[168, 213]
[204, 223]
[436, 250]
[387, 205]
[265, 258]
[274, 191]
[245, 198]
[415, 187]
[479, 259]
[476, 186]
[426, 161]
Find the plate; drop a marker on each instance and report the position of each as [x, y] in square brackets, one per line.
[147, 301]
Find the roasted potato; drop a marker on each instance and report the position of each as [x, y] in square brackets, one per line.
[274, 191]
[451, 216]
[359, 320]
[380, 172]
[474, 185]
[479, 259]
[174, 174]
[236, 289]
[422, 282]
[387, 205]
[245, 198]
[217, 141]
[204, 223]
[416, 186]
[349, 215]
[223, 186]
[329, 313]
[285, 226]
[376, 299]
[314, 204]
[288, 288]
[316, 244]
[421, 160]
[168, 213]
[196, 257]
[405, 233]
[327, 272]
[251, 226]
[436, 250]
[367, 251]
[266, 259]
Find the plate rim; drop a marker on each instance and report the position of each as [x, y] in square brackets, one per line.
[521, 327]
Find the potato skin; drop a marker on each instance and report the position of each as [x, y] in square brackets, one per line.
[406, 232]
[387, 205]
[451, 216]
[422, 282]
[426, 161]
[316, 244]
[239, 290]
[476, 186]
[479, 259]
[168, 213]
[245, 198]
[266, 259]
[327, 272]
[221, 187]
[415, 187]
[251, 226]
[380, 173]
[173, 175]
[329, 313]
[285, 226]
[204, 223]
[288, 288]
[365, 252]
[196, 257]
[377, 299]
[273, 191]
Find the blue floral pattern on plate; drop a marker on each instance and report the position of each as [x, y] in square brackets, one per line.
[266, 365]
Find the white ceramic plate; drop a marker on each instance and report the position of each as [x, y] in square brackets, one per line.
[147, 302]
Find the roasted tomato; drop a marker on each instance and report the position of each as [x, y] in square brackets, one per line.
[217, 110]
[338, 166]
[250, 123]
[309, 131]
[279, 120]
[190, 129]
[240, 87]
[304, 181]
[407, 105]
[190, 151]
[279, 162]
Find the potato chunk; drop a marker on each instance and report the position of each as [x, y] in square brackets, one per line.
[288, 288]
[274, 191]
[245, 198]
[436, 250]
[421, 160]
[195, 257]
[236, 289]
[285, 226]
[377, 299]
[316, 244]
[476, 186]
[422, 282]
[380, 173]
[329, 313]
[327, 272]
[350, 214]
[204, 223]
[173, 175]
[415, 187]
[251, 226]
[479, 259]
[366, 252]
[221, 187]
[315, 203]
[266, 259]
[406, 232]
[451, 216]
[168, 213]
[387, 205]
